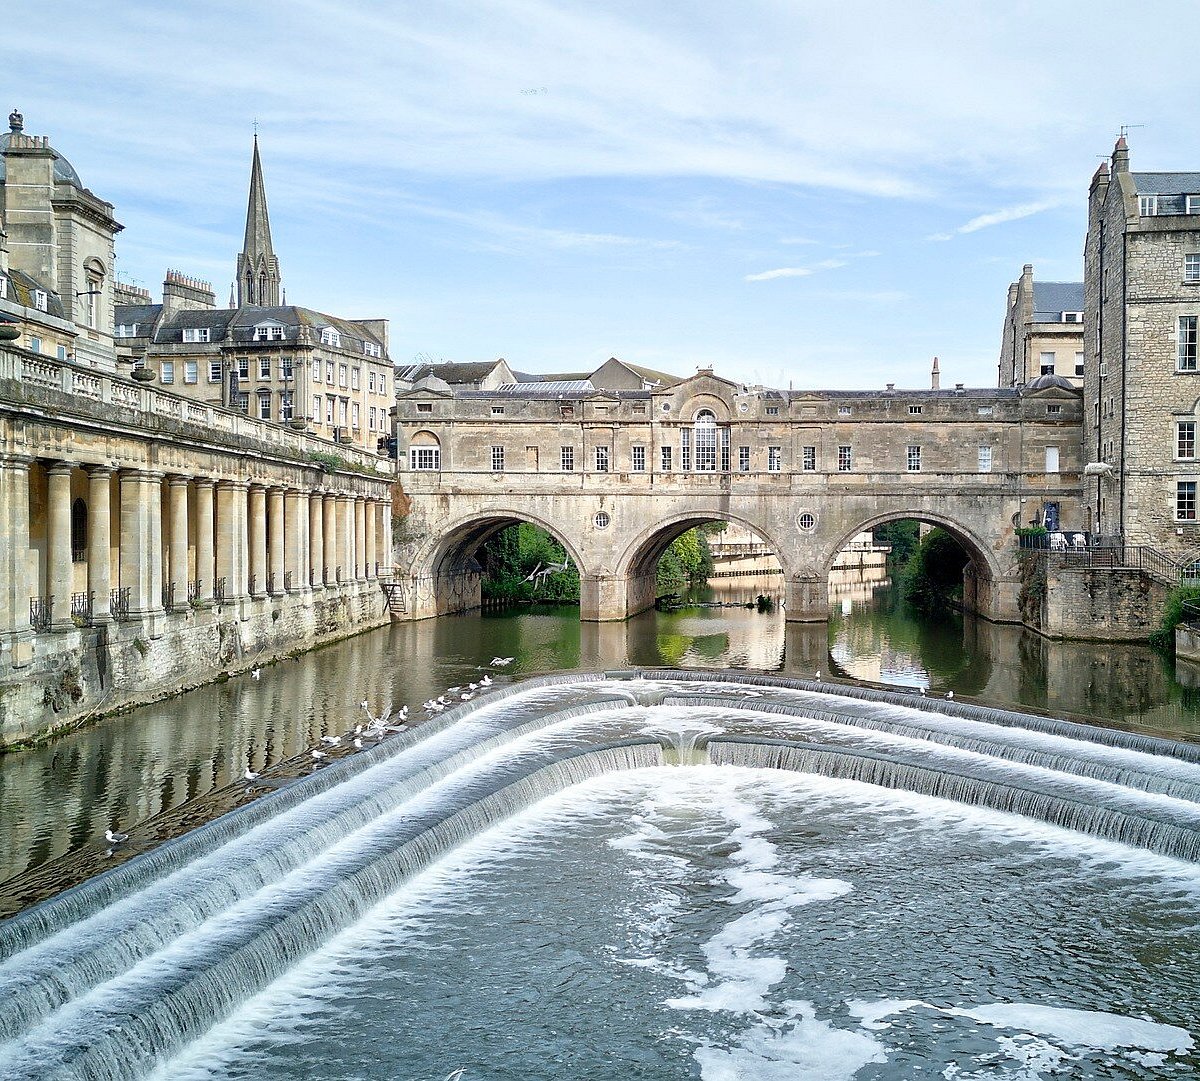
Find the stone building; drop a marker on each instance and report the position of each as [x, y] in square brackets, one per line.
[1043, 331]
[1142, 367]
[278, 362]
[56, 276]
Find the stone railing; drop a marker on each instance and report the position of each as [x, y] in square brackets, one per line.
[37, 372]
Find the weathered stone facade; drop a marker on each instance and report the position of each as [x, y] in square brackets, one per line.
[616, 475]
[1043, 331]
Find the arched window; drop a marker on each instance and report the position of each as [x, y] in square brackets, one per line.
[78, 531]
[424, 451]
[705, 427]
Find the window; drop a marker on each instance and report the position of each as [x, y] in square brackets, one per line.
[61, 352]
[497, 459]
[268, 334]
[316, 413]
[602, 519]
[371, 419]
[214, 371]
[914, 459]
[1147, 205]
[567, 459]
[166, 371]
[1191, 267]
[191, 372]
[264, 405]
[329, 409]
[985, 410]
[845, 459]
[264, 367]
[285, 368]
[243, 367]
[706, 441]
[354, 378]
[3, 287]
[1072, 317]
[1079, 364]
[429, 457]
[843, 411]
[1047, 363]
[724, 450]
[343, 375]
[497, 410]
[1185, 501]
[372, 350]
[807, 521]
[316, 371]
[1052, 459]
[354, 416]
[1053, 410]
[329, 372]
[329, 336]
[242, 402]
[1185, 439]
[343, 410]
[1187, 344]
[123, 330]
[639, 459]
[424, 407]
[666, 459]
[371, 382]
[743, 459]
[685, 449]
[808, 460]
[40, 299]
[382, 383]
[774, 459]
[915, 410]
[602, 459]
[985, 459]
[772, 410]
[35, 344]
[1192, 204]
[197, 334]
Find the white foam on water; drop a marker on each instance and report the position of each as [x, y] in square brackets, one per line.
[1081, 1028]
[798, 1047]
[871, 1014]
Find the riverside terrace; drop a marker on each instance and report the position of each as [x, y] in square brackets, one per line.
[615, 476]
[152, 543]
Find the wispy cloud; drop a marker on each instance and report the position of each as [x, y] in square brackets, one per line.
[998, 217]
[781, 272]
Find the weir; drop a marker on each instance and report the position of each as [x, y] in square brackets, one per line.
[117, 975]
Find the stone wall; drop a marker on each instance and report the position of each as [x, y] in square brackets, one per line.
[1105, 604]
[77, 676]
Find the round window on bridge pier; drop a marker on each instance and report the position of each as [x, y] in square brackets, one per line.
[602, 519]
[806, 521]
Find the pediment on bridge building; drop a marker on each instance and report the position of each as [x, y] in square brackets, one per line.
[427, 388]
[704, 382]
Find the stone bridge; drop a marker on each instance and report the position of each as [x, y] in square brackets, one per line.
[615, 476]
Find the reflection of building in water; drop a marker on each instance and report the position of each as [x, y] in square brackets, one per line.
[856, 585]
[862, 552]
[738, 551]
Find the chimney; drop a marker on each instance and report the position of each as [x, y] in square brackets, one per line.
[1120, 156]
[937, 375]
[183, 293]
[891, 386]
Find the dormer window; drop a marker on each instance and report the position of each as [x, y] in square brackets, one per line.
[1147, 205]
[268, 332]
[41, 300]
[1072, 317]
[329, 336]
[197, 334]
[372, 350]
[125, 330]
[1192, 204]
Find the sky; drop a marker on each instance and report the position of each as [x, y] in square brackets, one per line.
[794, 193]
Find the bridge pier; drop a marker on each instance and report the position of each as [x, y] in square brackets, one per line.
[806, 600]
[604, 599]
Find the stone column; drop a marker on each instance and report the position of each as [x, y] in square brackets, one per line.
[345, 543]
[177, 488]
[58, 545]
[258, 540]
[316, 539]
[385, 561]
[275, 538]
[233, 562]
[141, 541]
[206, 569]
[295, 538]
[372, 555]
[331, 534]
[15, 580]
[360, 538]
[99, 555]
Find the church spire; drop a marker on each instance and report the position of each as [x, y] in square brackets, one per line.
[257, 266]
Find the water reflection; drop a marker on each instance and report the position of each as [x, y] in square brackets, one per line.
[127, 769]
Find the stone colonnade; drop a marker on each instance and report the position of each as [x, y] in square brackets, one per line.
[86, 544]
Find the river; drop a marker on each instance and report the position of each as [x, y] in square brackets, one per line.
[187, 753]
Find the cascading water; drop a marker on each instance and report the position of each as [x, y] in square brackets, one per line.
[114, 977]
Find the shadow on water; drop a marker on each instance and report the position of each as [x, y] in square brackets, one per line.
[128, 769]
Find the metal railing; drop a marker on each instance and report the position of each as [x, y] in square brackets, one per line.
[219, 591]
[118, 603]
[81, 609]
[1108, 553]
[41, 611]
[194, 591]
[271, 582]
[250, 585]
[78, 555]
[168, 596]
[287, 581]
[1191, 615]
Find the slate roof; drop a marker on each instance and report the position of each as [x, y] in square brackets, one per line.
[236, 325]
[21, 288]
[144, 315]
[1167, 183]
[1051, 299]
[452, 372]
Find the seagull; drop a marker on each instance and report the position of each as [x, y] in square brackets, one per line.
[358, 744]
[817, 676]
[922, 692]
[500, 662]
[332, 741]
[250, 775]
[403, 714]
[318, 755]
[255, 672]
[486, 681]
[115, 838]
[452, 690]
[466, 697]
[949, 694]
[533, 573]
